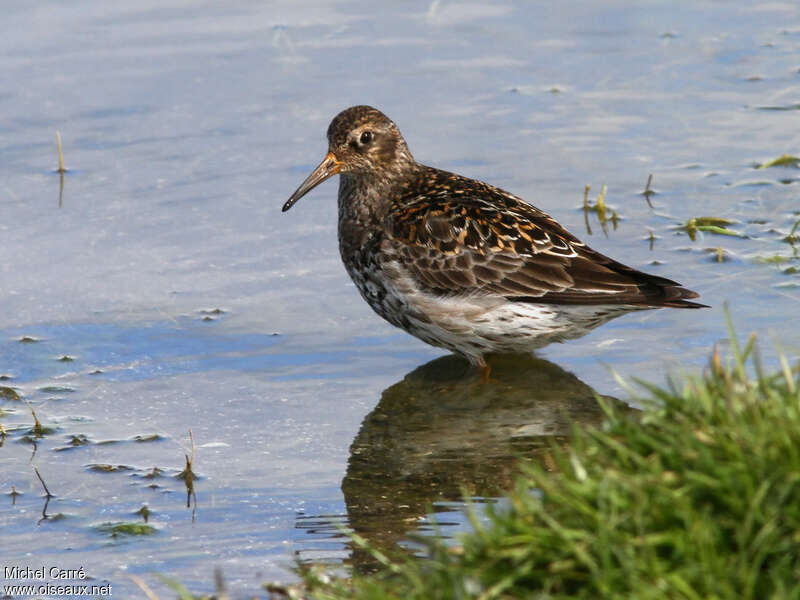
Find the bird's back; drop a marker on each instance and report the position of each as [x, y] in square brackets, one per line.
[460, 236]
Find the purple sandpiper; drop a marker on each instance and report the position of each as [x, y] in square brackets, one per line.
[461, 264]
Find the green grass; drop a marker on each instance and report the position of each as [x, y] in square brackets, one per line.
[697, 497]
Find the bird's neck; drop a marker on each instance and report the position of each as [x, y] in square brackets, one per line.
[364, 201]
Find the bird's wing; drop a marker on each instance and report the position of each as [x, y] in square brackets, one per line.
[462, 237]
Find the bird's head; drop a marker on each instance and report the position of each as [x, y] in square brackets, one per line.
[362, 141]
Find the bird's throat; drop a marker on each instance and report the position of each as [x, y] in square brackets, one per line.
[363, 204]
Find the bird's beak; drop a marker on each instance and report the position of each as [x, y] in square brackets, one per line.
[327, 168]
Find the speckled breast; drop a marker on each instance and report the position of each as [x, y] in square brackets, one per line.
[364, 265]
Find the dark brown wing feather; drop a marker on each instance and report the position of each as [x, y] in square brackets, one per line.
[460, 236]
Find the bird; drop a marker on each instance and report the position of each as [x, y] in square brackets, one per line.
[462, 264]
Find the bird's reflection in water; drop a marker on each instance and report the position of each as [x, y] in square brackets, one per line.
[440, 432]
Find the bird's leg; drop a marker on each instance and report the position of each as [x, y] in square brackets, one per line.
[486, 370]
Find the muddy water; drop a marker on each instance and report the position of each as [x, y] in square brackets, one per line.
[168, 293]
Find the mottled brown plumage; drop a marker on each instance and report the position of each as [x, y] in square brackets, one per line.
[460, 263]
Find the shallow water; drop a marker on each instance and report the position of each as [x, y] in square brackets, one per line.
[186, 300]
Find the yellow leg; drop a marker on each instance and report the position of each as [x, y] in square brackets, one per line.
[486, 370]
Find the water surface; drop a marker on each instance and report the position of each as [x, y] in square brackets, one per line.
[169, 293]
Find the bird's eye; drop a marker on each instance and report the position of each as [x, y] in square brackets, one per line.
[366, 137]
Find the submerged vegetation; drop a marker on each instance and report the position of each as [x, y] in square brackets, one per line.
[697, 497]
[784, 160]
[715, 225]
[116, 530]
[605, 214]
